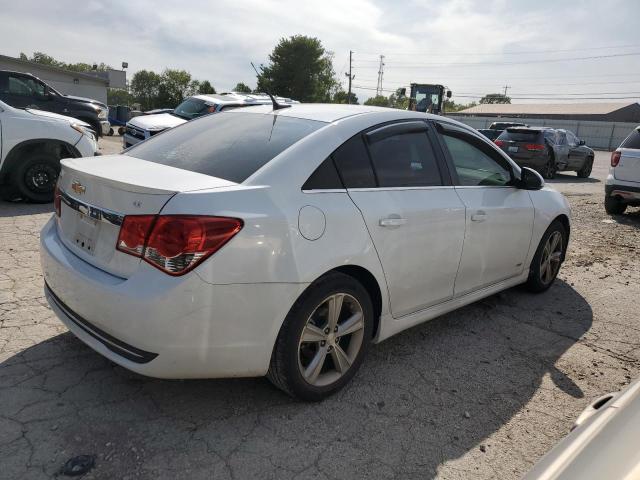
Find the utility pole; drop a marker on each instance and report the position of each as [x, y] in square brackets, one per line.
[380, 73]
[350, 77]
[506, 87]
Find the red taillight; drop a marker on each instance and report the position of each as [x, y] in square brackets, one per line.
[175, 243]
[133, 234]
[499, 143]
[534, 147]
[57, 201]
[615, 158]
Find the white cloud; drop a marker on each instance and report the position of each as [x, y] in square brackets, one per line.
[217, 40]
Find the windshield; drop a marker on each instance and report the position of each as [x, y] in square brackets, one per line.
[231, 145]
[194, 107]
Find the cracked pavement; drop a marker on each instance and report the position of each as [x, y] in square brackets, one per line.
[482, 392]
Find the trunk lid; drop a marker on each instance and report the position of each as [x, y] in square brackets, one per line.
[96, 194]
[628, 168]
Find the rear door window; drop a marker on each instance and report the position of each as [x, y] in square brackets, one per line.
[402, 156]
[231, 145]
[354, 166]
[632, 141]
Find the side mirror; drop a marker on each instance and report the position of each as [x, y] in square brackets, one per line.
[580, 142]
[530, 179]
[448, 93]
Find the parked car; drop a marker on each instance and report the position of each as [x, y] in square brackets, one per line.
[22, 90]
[505, 125]
[491, 134]
[622, 187]
[32, 142]
[547, 150]
[603, 442]
[144, 127]
[284, 242]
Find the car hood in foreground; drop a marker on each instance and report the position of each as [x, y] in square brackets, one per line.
[156, 122]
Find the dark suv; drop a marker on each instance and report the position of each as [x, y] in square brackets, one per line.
[23, 90]
[547, 150]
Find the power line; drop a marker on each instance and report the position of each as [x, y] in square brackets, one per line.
[482, 64]
[530, 52]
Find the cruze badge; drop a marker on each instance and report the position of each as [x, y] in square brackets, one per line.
[78, 188]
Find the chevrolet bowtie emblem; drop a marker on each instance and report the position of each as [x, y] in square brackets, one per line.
[78, 188]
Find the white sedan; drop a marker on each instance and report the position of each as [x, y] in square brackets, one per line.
[284, 242]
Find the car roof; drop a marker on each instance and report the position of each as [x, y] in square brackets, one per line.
[329, 112]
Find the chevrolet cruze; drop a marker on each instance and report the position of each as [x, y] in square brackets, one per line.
[284, 242]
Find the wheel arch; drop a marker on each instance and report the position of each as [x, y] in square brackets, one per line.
[564, 220]
[61, 148]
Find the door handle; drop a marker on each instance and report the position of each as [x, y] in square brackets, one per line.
[479, 216]
[392, 222]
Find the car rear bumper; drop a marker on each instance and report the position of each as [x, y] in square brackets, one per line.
[628, 193]
[105, 126]
[164, 326]
[129, 140]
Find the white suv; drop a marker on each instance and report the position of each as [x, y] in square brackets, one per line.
[32, 142]
[622, 187]
[145, 126]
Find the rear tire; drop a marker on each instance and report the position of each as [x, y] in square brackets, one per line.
[614, 205]
[35, 177]
[585, 171]
[548, 258]
[308, 338]
[550, 169]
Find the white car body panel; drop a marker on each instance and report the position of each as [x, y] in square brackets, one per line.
[158, 121]
[222, 318]
[18, 126]
[628, 168]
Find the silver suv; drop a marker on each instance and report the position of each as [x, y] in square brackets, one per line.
[622, 187]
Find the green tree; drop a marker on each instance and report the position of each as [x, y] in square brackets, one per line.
[495, 98]
[398, 100]
[300, 68]
[241, 88]
[378, 101]
[116, 96]
[174, 86]
[341, 97]
[145, 87]
[205, 87]
[44, 59]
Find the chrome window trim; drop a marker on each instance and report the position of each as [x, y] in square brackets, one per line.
[99, 214]
[392, 189]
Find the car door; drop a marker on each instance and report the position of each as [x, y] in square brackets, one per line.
[562, 150]
[413, 214]
[577, 152]
[499, 216]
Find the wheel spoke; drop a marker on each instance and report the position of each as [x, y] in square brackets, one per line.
[554, 241]
[340, 359]
[543, 268]
[555, 257]
[335, 307]
[311, 333]
[351, 325]
[315, 366]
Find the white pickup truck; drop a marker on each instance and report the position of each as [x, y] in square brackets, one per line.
[622, 187]
[32, 143]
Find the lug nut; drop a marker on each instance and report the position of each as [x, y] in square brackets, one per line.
[329, 348]
[322, 343]
[335, 329]
[326, 330]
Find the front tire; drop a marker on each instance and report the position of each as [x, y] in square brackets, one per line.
[614, 205]
[324, 338]
[548, 258]
[585, 171]
[35, 177]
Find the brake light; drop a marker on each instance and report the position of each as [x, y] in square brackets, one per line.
[534, 147]
[499, 143]
[57, 201]
[615, 158]
[175, 244]
[133, 234]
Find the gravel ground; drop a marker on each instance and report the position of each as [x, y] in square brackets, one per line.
[482, 392]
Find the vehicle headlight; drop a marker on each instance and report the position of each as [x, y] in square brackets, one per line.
[83, 130]
[103, 113]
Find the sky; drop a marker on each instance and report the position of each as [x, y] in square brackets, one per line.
[541, 49]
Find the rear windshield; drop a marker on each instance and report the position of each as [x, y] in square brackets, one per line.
[503, 125]
[231, 145]
[632, 141]
[519, 135]
[194, 107]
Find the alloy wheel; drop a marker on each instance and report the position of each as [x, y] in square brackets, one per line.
[551, 258]
[41, 178]
[331, 339]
